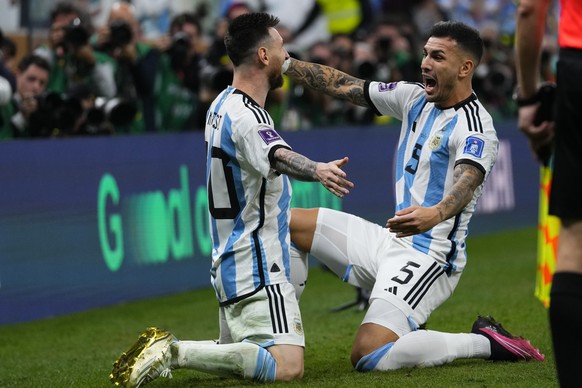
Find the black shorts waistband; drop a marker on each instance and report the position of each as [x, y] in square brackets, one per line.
[571, 53]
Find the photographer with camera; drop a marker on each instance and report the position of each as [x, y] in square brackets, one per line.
[7, 78]
[16, 114]
[495, 77]
[72, 58]
[179, 75]
[137, 64]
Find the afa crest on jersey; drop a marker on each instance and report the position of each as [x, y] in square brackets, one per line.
[474, 146]
[436, 140]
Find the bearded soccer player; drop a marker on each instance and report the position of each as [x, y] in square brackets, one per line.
[249, 194]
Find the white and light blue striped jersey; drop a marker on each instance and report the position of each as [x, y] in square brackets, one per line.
[248, 201]
[432, 142]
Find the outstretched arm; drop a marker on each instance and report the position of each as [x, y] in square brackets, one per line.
[328, 80]
[418, 219]
[330, 174]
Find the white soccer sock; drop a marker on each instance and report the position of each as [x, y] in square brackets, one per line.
[298, 261]
[427, 348]
[240, 360]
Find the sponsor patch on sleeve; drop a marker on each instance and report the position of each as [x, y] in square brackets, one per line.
[269, 135]
[384, 87]
[474, 146]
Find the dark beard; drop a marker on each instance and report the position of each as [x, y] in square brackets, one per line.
[275, 81]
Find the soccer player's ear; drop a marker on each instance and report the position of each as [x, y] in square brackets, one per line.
[466, 68]
[263, 57]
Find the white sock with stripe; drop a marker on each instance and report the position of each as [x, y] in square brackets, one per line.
[240, 360]
[426, 348]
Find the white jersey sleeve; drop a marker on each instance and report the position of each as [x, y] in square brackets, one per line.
[392, 99]
[478, 143]
[255, 137]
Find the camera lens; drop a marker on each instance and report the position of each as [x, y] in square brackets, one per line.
[121, 33]
[179, 49]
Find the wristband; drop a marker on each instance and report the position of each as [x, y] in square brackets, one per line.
[527, 101]
[521, 101]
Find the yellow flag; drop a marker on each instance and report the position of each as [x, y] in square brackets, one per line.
[548, 233]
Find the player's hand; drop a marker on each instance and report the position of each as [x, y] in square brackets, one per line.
[333, 178]
[413, 220]
[539, 137]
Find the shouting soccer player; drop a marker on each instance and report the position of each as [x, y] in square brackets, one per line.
[447, 147]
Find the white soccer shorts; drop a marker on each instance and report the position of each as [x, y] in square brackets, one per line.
[368, 256]
[269, 317]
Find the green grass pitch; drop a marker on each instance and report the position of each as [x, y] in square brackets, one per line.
[78, 350]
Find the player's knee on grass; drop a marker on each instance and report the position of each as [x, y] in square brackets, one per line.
[361, 349]
[290, 372]
[370, 337]
[289, 360]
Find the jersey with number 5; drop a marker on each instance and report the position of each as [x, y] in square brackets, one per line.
[433, 142]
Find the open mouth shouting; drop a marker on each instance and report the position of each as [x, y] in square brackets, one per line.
[430, 83]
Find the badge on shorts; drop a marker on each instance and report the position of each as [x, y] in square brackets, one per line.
[297, 325]
[269, 135]
[384, 87]
[474, 146]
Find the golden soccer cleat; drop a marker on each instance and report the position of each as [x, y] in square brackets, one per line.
[148, 359]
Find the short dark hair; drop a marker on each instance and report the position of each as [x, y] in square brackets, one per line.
[185, 18]
[33, 59]
[64, 8]
[67, 8]
[466, 37]
[245, 33]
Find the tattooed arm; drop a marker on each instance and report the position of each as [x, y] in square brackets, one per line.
[328, 80]
[467, 178]
[297, 166]
[418, 219]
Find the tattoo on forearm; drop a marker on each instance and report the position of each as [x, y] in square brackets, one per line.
[467, 178]
[295, 165]
[328, 80]
[441, 215]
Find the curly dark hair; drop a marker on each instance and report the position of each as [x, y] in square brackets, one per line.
[245, 33]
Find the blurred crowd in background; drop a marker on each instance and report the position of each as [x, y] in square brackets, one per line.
[147, 67]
